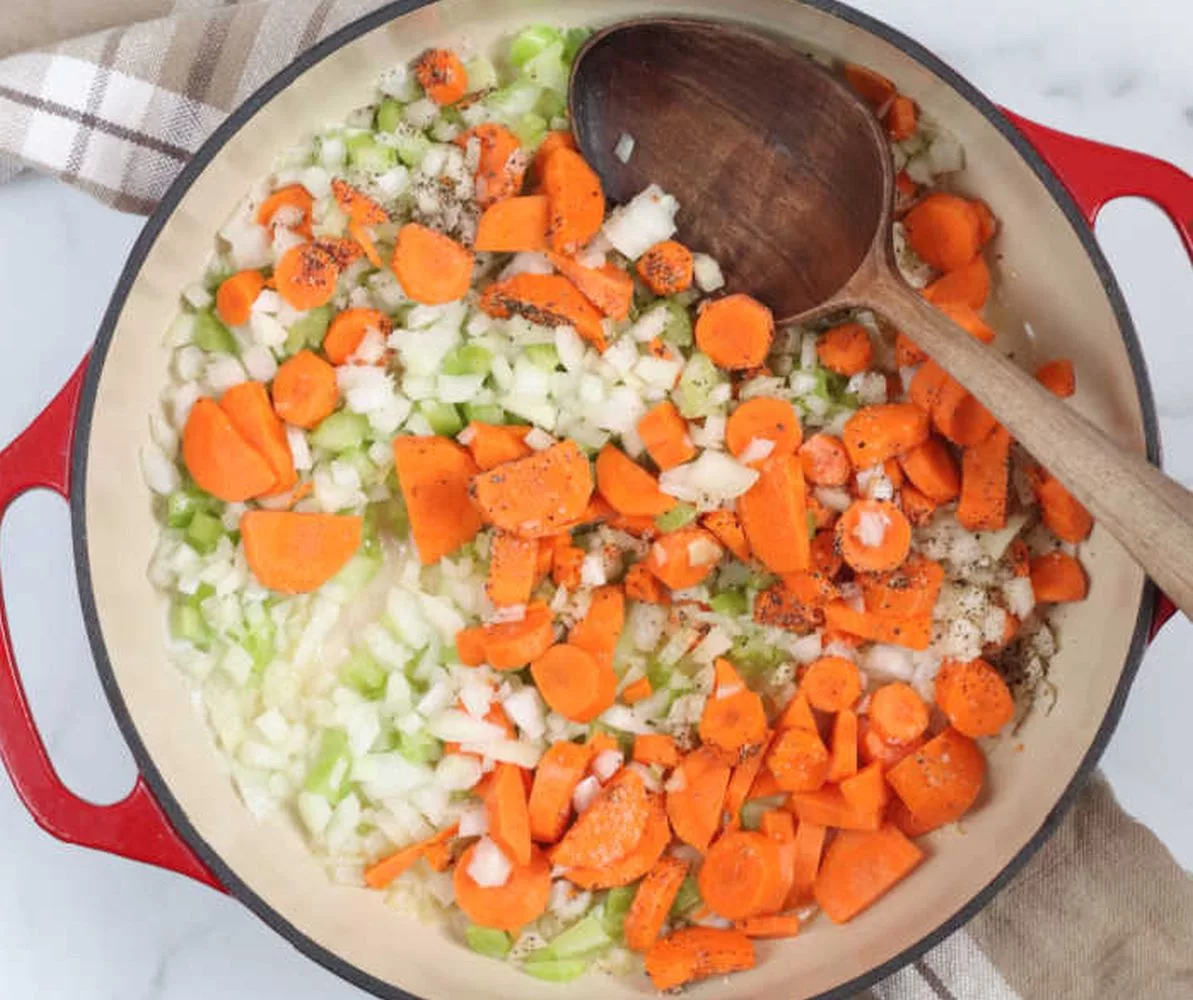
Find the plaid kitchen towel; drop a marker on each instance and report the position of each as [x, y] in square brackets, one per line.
[1101, 913]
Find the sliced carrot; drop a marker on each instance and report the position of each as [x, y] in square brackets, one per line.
[823, 556]
[985, 472]
[358, 206]
[297, 200]
[513, 564]
[763, 418]
[733, 724]
[665, 434]
[831, 684]
[897, 713]
[296, 553]
[846, 349]
[959, 416]
[546, 299]
[638, 691]
[697, 953]
[492, 445]
[599, 630]
[873, 536]
[820, 515]
[783, 607]
[798, 715]
[656, 748]
[774, 515]
[609, 828]
[927, 385]
[442, 75]
[248, 407]
[874, 748]
[974, 697]
[628, 487]
[559, 771]
[537, 495]
[509, 907]
[735, 332]
[363, 237]
[941, 781]
[349, 329]
[235, 297]
[1058, 577]
[913, 633]
[771, 927]
[305, 276]
[509, 819]
[843, 760]
[799, 760]
[384, 872]
[780, 827]
[860, 867]
[219, 459]
[343, 252]
[874, 88]
[825, 460]
[667, 268]
[725, 527]
[907, 352]
[1058, 377]
[910, 590]
[918, 508]
[901, 118]
[566, 564]
[809, 843]
[561, 139]
[739, 873]
[765, 786]
[1063, 513]
[576, 198]
[968, 285]
[944, 231]
[501, 168]
[305, 390]
[470, 645]
[652, 903]
[684, 558]
[577, 684]
[933, 471]
[642, 585]
[987, 222]
[513, 225]
[741, 782]
[827, 807]
[607, 287]
[512, 645]
[432, 268]
[696, 796]
[640, 859]
[434, 475]
[876, 433]
[866, 792]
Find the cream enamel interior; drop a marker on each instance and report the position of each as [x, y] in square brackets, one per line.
[1044, 277]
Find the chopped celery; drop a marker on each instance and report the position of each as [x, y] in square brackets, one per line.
[309, 330]
[365, 675]
[530, 129]
[582, 938]
[187, 624]
[573, 41]
[482, 75]
[341, 431]
[659, 675]
[184, 504]
[679, 516]
[488, 941]
[556, 970]
[389, 115]
[467, 359]
[260, 638]
[484, 413]
[390, 517]
[359, 571]
[444, 418]
[617, 905]
[730, 602]
[533, 40]
[678, 331]
[366, 153]
[752, 654]
[687, 899]
[694, 392]
[514, 101]
[411, 145]
[204, 532]
[329, 771]
[211, 335]
[543, 356]
[419, 748]
[760, 580]
[548, 68]
[551, 104]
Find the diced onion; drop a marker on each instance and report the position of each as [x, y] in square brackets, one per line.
[489, 867]
[585, 793]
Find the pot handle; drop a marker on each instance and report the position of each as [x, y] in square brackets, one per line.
[1096, 173]
[136, 827]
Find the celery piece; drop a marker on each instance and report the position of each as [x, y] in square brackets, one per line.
[204, 532]
[551, 104]
[329, 772]
[556, 970]
[366, 153]
[419, 748]
[679, 516]
[530, 129]
[543, 356]
[187, 624]
[617, 905]
[390, 517]
[753, 654]
[356, 575]
[573, 41]
[467, 359]
[364, 674]
[530, 42]
[514, 101]
[687, 899]
[488, 941]
[484, 413]
[184, 504]
[696, 384]
[482, 75]
[388, 116]
[411, 145]
[444, 418]
[678, 331]
[583, 938]
[547, 68]
[659, 675]
[211, 335]
[309, 330]
[730, 602]
[260, 638]
[342, 431]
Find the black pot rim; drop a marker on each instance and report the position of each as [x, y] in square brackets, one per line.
[153, 226]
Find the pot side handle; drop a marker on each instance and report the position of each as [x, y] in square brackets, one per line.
[1096, 173]
[135, 827]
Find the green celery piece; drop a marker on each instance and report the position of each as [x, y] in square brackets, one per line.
[530, 129]
[551, 104]
[752, 654]
[543, 356]
[184, 504]
[659, 675]
[556, 970]
[411, 145]
[617, 905]
[388, 116]
[211, 335]
[687, 899]
[548, 68]
[679, 516]
[308, 331]
[390, 517]
[678, 331]
[812, 528]
[730, 602]
[444, 418]
[187, 624]
[533, 40]
[586, 937]
[573, 41]
[488, 941]
[358, 572]
[204, 532]
[467, 359]
[365, 675]
[366, 153]
[484, 413]
[419, 748]
[518, 99]
[693, 394]
[341, 431]
[482, 75]
[260, 642]
[333, 748]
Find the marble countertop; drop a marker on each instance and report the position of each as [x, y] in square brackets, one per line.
[77, 925]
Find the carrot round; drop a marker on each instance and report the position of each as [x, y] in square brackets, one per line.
[944, 230]
[219, 459]
[492, 445]
[665, 434]
[1058, 377]
[349, 328]
[235, 297]
[799, 760]
[546, 299]
[628, 487]
[733, 724]
[574, 682]
[987, 221]
[537, 495]
[470, 645]
[512, 645]
[442, 75]
[726, 528]
[577, 201]
[642, 585]
[640, 859]
[901, 118]
[1057, 577]
[434, 475]
[832, 684]
[774, 516]
[305, 390]
[306, 276]
[432, 268]
[875, 748]
[906, 592]
[846, 349]
[738, 874]
[697, 953]
[559, 771]
[874, 88]
[735, 332]
[296, 553]
[296, 199]
[667, 268]
[843, 751]
[501, 168]
[898, 714]
[873, 536]
[914, 632]
[926, 387]
[652, 903]
[509, 819]
[933, 471]
[828, 807]
[248, 407]
[741, 784]
[959, 416]
[973, 696]
[825, 460]
[508, 907]
[656, 748]
[876, 433]
[514, 225]
[559, 139]
[861, 866]
[599, 631]
[907, 352]
[513, 565]
[607, 287]
[358, 206]
[764, 418]
[968, 285]
[684, 558]
[985, 473]
[941, 781]
[696, 795]
[1063, 513]
[609, 828]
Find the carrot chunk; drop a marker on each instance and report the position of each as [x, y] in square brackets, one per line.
[248, 407]
[305, 390]
[349, 329]
[846, 349]
[219, 459]
[873, 536]
[434, 474]
[1058, 577]
[609, 828]
[697, 953]
[656, 748]
[684, 558]
[442, 75]
[607, 287]
[297, 203]
[933, 471]
[577, 684]
[974, 697]
[897, 713]
[910, 590]
[577, 201]
[358, 206]
[1063, 514]
[512, 645]
[901, 118]
[642, 585]
[959, 416]
[1058, 377]
[985, 470]
[843, 761]
[665, 434]
[652, 903]
[514, 225]
[235, 297]
[733, 724]
[640, 859]
[513, 564]
[739, 873]
[774, 515]
[735, 332]
[537, 495]
[546, 299]
[967, 286]
[696, 795]
[939, 782]
[859, 867]
[667, 268]
[944, 230]
[913, 633]
[725, 527]
[509, 818]
[559, 771]
[388, 869]
[763, 419]
[306, 276]
[297, 553]
[799, 760]
[825, 460]
[432, 268]
[628, 487]
[492, 445]
[874, 88]
[876, 433]
[501, 167]
[508, 907]
[832, 684]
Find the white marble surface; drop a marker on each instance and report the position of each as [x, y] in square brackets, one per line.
[75, 925]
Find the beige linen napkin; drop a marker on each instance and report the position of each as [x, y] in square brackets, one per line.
[1101, 913]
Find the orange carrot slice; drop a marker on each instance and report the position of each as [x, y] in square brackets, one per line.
[514, 225]
[628, 487]
[665, 434]
[667, 268]
[432, 268]
[577, 201]
[434, 474]
[248, 407]
[763, 418]
[296, 553]
[538, 495]
[684, 558]
[695, 796]
[735, 332]
[508, 907]
[859, 867]
[442, 75]
[219, 459]
[305, 390]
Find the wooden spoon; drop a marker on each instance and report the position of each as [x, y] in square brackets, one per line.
[785, 176]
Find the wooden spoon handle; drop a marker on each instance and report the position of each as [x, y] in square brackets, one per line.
[1150, 514]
